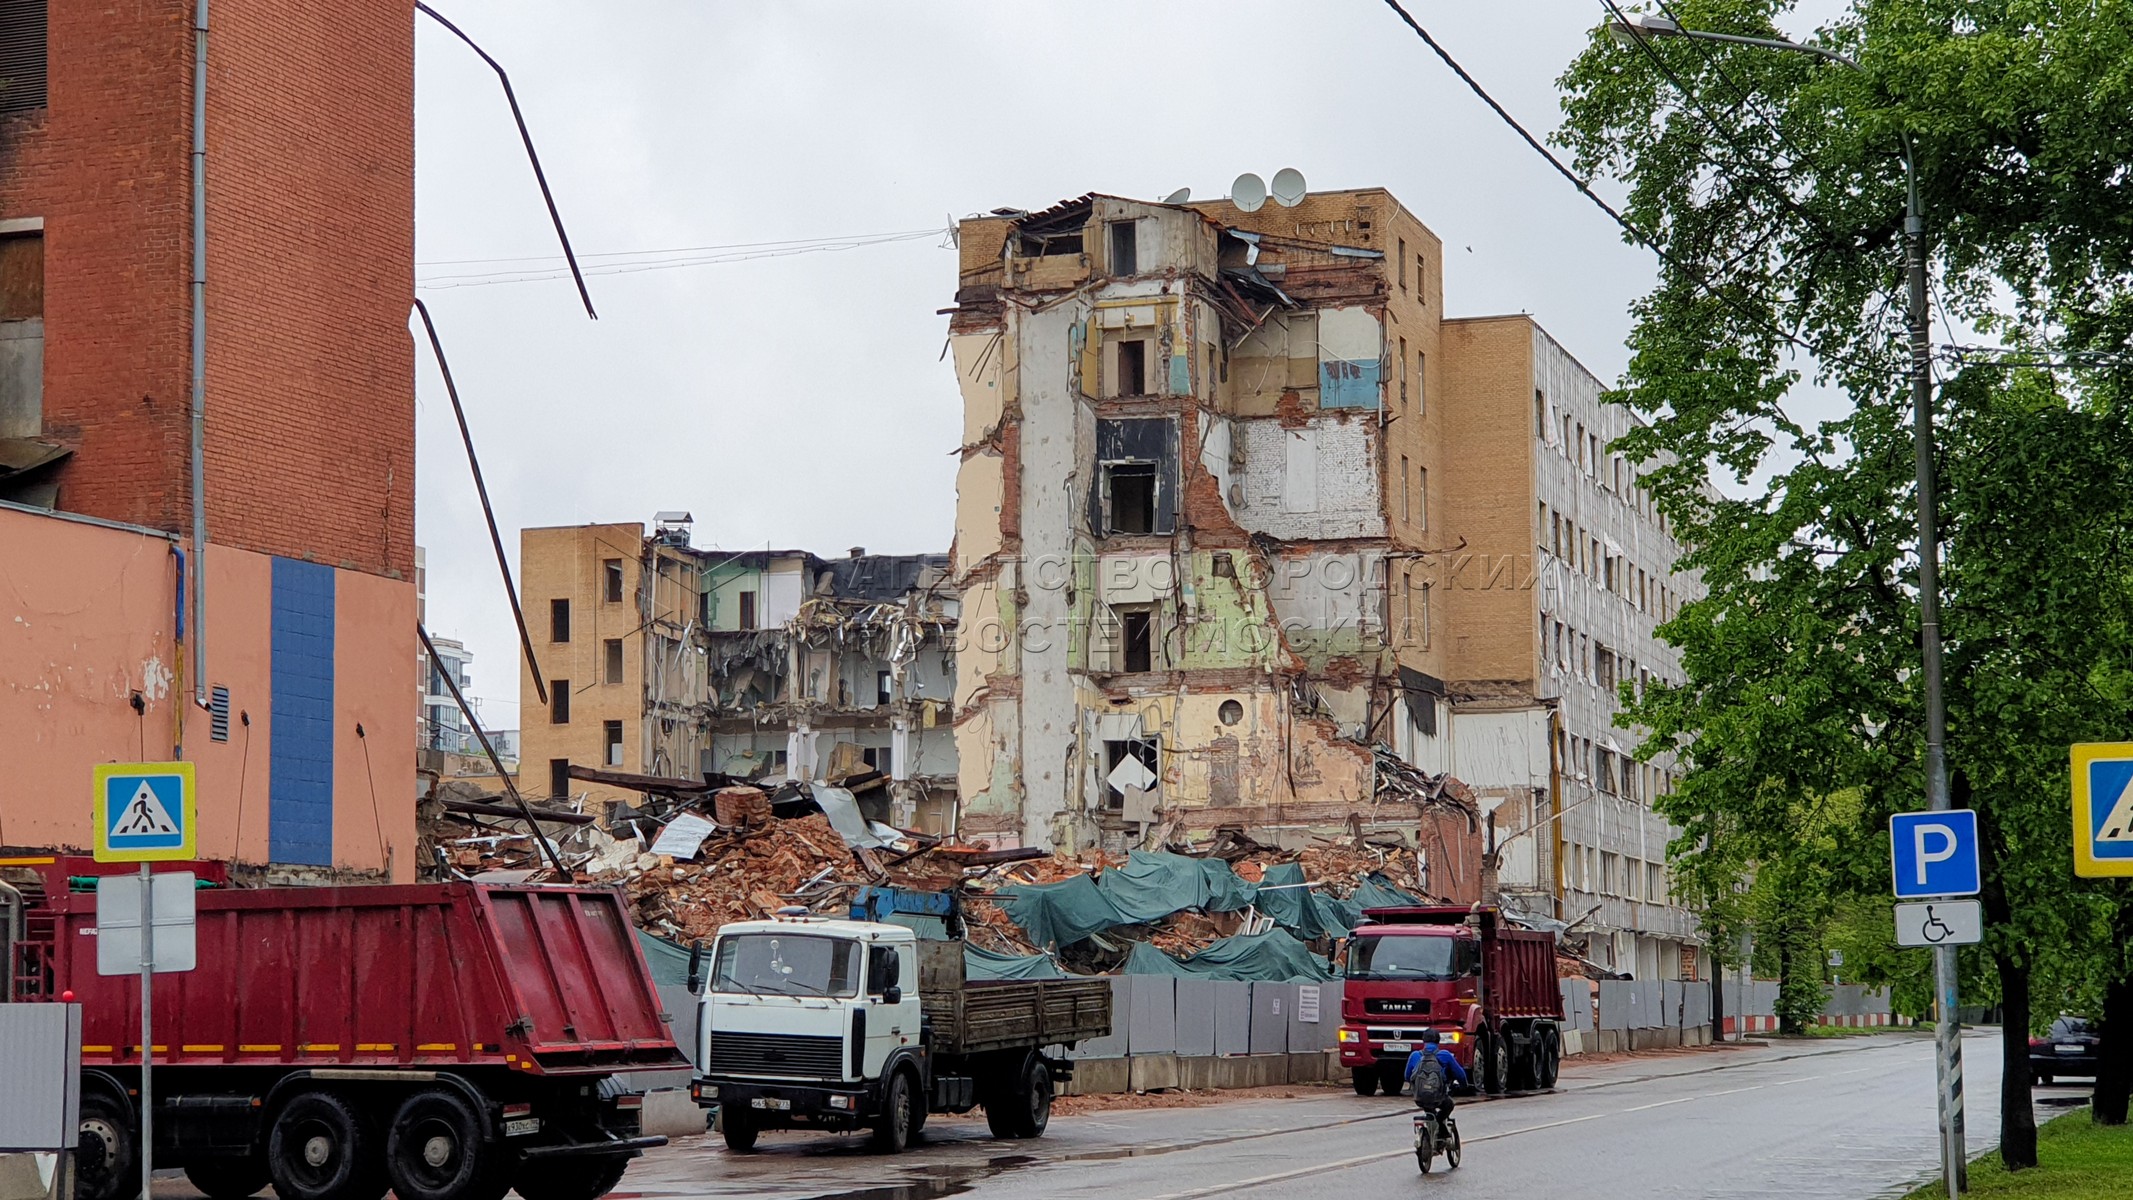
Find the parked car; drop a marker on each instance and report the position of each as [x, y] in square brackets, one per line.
[2069, 1047]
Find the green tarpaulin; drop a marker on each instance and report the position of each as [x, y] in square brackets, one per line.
[1271, 957]
[1300, 910]
[1060, 914]
[985, 964]
[1376, 891]
[669, 961]
[1154, 885]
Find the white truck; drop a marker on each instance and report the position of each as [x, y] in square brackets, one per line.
[810, 1022]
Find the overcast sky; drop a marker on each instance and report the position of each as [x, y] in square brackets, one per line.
[799, 400]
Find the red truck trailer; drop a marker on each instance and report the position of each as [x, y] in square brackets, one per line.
[451, 1041]
[1489, 990]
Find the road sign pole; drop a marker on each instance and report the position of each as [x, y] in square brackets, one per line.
[148, 1041]
[1948, 1060]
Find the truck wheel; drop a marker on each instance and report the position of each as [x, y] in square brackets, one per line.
[892, 1130]
[739, 1128]
[438, 1150]
[1392, 1076]
[1495, 1055]
[1024, 1107]
[1550, 1061]
[1366, 1080]
[320, 1149]
[104, 1164]
[228, 1178]
[571, 1179]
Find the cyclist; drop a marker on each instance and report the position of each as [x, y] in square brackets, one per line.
[1434, 1094]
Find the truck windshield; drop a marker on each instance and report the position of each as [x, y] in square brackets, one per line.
[1429, 958]
[778, 964]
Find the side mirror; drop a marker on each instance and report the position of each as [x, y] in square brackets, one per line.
[696, 965]
[892, 995]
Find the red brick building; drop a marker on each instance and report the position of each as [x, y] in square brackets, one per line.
[308, 442]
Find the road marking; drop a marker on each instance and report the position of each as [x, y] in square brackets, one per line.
[1387, 1155]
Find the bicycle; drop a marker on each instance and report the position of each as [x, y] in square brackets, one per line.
[1434, 1135]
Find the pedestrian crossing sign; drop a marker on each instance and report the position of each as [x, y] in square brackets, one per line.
[144, 812]
[2103, 808]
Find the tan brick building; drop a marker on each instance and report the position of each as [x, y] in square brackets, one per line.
[668, 660]
[1243, 515]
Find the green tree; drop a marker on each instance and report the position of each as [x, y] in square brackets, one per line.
[1773, 183]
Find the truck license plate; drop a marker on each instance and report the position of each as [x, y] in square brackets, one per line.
[1400, 1047]
[772, 1103]
[522, 1126]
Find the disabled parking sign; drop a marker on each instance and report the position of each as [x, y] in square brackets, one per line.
[2103, 808]
[144, 812]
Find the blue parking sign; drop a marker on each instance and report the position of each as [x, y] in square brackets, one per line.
[144, 812]
[1935, 853]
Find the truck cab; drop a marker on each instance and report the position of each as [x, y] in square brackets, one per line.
[803, 1018]
[1489, 991]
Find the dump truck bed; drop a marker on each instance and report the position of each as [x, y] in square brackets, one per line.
[539, 980]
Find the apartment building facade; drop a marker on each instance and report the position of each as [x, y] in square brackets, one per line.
[1241, 508]
[667, 660]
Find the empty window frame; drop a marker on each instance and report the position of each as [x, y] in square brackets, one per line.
[1130, 368]
[884, 687]
[611, 575]
[1402, 364]
[559, 702]
[559, 620]
[1130, 489]
[613, 655]
[1422, 497]
[1407, 508]
[1137, 634]
[747, 620]
[1118, 751]
[1401, 259]
[611, 740]
[1136, 477]
[1125, 248]
[559, 777]
[1421, 383]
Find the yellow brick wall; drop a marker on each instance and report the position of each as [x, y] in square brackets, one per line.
[1489, 497]
[567, 563]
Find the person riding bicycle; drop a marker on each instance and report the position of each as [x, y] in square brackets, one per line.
[1432, 1069]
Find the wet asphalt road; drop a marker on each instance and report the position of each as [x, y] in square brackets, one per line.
[1848, 1119]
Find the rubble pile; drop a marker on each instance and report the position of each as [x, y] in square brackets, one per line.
[741, 873]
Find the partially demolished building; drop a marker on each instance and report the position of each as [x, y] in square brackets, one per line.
[667, 660]
[1250, 534]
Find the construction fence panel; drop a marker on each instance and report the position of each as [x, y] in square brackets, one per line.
[1618, 1004]
[1577, 1004]
[1695, 1005]
[1233, 1017]
[1113, 1046]
[1766, 997]
[1152, 1023]
[1196, 1016]
[680, 1004]
[1673, 998]
[1314, 1016]
[1271, 1005]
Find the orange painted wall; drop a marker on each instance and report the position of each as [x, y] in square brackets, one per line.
[87, 618]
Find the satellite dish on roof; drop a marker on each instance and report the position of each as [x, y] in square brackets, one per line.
[1288, 187]
[1178, 197]
[1248, 193]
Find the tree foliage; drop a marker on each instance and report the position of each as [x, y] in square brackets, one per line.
[1773, 182]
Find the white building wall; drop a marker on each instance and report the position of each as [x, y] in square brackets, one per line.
[1316, 480]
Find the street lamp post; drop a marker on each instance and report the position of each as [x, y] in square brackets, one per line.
[1949, 1057]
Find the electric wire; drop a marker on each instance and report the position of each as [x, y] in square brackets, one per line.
[1630, 227]
[633, 267]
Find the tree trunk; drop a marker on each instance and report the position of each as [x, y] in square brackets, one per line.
[2114, 1074]
[1788, 1025]
[2018, 1117]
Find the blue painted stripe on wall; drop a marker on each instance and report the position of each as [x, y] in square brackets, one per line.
[300, 758]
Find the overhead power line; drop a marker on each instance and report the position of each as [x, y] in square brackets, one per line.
[630, 262]
[1630, 227]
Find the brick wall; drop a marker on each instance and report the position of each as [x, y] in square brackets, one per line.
[310, 448]
[567, 564]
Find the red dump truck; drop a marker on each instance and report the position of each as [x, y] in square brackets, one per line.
[450, 1041]
[1489, 991]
